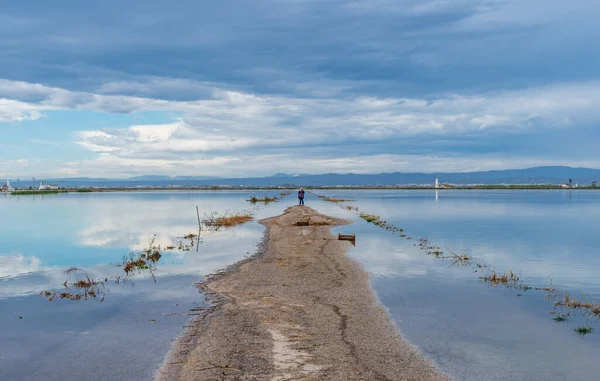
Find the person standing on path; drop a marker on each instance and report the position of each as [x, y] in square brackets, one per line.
[301, 196]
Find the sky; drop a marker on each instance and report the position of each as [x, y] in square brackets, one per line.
[253, 88]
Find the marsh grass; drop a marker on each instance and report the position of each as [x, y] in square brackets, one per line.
[567, 301]
[83, 286]
[369, 217]
[266, 199]
[135, 263]
[335, 200]
[583, 330]
[560, 318]
[508, 279]
[462, 258]
[228, 221]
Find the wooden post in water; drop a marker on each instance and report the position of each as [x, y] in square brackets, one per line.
[198, 214]
[347, 237]
[199, 228]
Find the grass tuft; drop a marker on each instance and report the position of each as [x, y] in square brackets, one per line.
[569, 301]
[266, 199]
[331, 199]
[84, 287]
[369, 217]
[228, 221]
[508, 279]
[583, 330]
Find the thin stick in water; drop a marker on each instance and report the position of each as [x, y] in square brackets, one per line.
[199, 228]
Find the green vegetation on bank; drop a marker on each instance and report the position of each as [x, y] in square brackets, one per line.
[33, 192]
[278, 188]
[266, 199]
[369, 217]
[584, 330]
[521, 186]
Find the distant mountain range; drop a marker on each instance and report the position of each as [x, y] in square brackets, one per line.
[537, 175]
[165, 178]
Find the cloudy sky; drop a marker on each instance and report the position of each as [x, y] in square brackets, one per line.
[251, 88]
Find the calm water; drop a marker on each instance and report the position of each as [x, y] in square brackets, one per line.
[128, 334]
[472, 330]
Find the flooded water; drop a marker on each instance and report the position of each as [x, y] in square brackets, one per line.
[127, 335]
[471, 329]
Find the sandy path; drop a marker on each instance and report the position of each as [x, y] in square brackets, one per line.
[301, 311]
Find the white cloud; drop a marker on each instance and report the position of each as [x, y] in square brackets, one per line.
[12, 111]
[12, 266]
[233, 131]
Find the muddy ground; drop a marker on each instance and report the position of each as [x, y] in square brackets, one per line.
[302, 310]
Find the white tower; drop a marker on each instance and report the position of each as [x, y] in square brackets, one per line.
[437, 183]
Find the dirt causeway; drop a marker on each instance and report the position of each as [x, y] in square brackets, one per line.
[302, 310]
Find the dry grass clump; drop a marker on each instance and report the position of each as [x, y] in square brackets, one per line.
[369, 217]
[138, 262]
[568, 301]
[266, 199]
[583, 330]
[228, 221]
[508, 279]
[331, 199]
[145, 260]
[560, 318]
[550, 289]
[83, 287]
[462, 258]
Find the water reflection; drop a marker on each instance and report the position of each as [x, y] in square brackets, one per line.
[472, 330]
[95, 231]
[133, 327]
[540, 236]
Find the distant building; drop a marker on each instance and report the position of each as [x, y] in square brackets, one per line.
[48, 186]
[7, 187]
[568, 185]
[437, 183]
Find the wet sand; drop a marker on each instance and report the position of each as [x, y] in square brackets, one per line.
[300, 310]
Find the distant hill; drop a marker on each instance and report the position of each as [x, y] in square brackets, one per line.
[166, 178]
[538, 175]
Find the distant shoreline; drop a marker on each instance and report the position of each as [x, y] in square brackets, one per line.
[216, 188]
